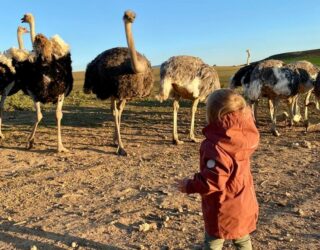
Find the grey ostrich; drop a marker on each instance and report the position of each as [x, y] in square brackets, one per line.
[120, 74]
[8, 86]
[190, 78]
[276, 81]
[308, 73]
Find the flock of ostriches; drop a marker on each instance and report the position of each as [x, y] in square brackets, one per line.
[121, 74]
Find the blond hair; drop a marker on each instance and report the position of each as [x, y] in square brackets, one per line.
[222, 102]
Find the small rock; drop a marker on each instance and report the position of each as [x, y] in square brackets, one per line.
[288, 194]
[306, 144]
[301, 212]
[9, 218]
[180, 209]
[74, 244]
[146, 227]
[290, 240]
[167, 218]
[200, 213]
[295, 145]
[141, 247]
[34, 247]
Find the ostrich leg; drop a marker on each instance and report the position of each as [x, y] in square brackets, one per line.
[115, 142]
[116, 112]
[38, 119]
[59, 116]
[120, 106]
[254, 107]
[306, 104]
[291, 107]
[3, 98]
[175, 115]
[193, 110]
[273, 106]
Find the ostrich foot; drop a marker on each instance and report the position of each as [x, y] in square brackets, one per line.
[313, 128]
[275, 132]
[306, 124]
[296, 118]
[314, 105]
[193, 139]
[177, 142]
[283, 117]
[1, 136]
[121, 151]
[30, 144]
[62, 149]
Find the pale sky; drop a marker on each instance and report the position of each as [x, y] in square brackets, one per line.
[219, 32]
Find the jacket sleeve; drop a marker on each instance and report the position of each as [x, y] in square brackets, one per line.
[210, 179]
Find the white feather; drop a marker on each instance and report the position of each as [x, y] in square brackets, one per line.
[59, 47]
[7, 61]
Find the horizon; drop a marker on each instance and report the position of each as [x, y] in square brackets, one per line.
[217, 32]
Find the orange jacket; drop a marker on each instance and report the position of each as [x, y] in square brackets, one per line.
[229, 204]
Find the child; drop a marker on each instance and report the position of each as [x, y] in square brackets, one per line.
[225, 183]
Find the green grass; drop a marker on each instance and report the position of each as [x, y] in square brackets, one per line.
[312, 56]
[78, 99]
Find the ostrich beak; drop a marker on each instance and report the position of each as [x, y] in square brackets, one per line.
[23, 20]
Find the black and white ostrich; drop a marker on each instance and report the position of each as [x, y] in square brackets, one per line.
[120, 74]
[48, 78]
[8, 61]
[276, 83]
[308, 73]
[243, 78]
[190, 78]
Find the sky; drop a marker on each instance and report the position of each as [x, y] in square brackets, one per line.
[219, 32]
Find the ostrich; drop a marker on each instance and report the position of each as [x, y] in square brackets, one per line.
[120, 74]
[8, 60]
[272, 80]
[248, 56]
[49, 78]
[190, 78]
[308, 73]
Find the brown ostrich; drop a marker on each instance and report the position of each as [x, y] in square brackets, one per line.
[120, 74]
[190, 78]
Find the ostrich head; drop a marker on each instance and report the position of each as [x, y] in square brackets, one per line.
[43, 47]
[129, 16]
[22, 30]
[27, 18]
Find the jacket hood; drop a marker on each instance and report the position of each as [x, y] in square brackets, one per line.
[235, 133]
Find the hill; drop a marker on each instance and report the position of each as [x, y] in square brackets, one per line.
[312, 56]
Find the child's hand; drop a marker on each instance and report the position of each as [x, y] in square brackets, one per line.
[182, 185]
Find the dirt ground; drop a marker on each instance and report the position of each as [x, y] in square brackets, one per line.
[92, 199]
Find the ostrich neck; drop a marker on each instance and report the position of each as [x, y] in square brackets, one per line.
[248, 58]
[20, 40]
[32, 31]
[137, 66]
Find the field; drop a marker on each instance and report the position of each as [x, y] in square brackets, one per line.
[92, 199]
